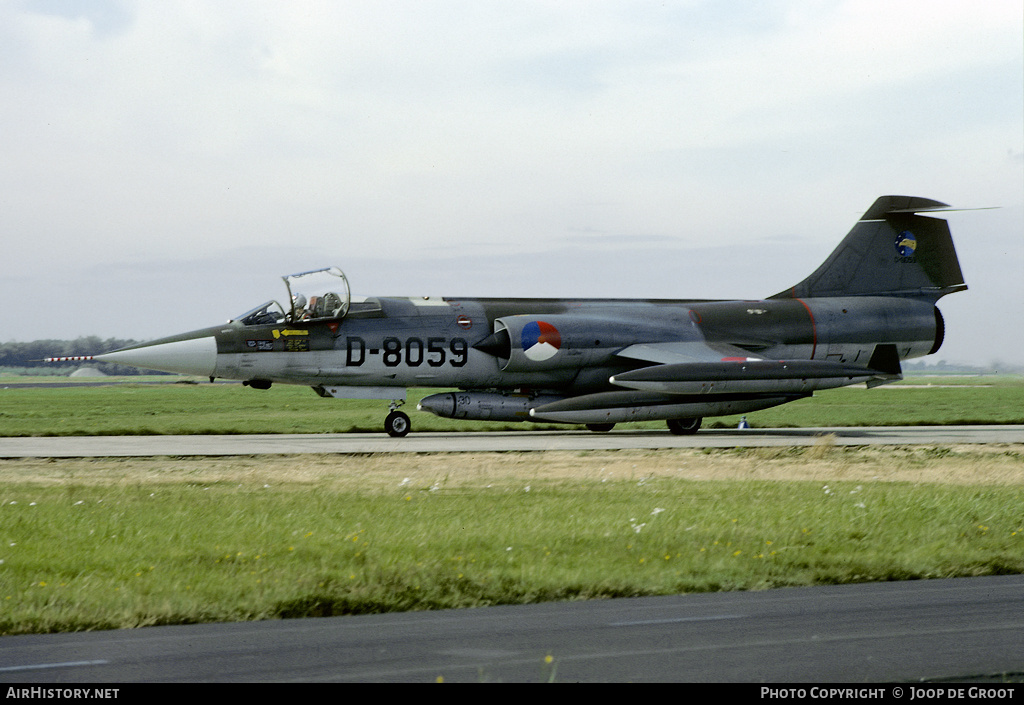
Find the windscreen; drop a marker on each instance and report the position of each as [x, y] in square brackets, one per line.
[268, 313]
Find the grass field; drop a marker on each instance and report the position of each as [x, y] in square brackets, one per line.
[106, 543]
[141, 409]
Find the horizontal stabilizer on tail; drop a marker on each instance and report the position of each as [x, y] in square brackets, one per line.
[886, 205]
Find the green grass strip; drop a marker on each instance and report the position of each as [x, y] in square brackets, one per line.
[136, 409]
[191, 547]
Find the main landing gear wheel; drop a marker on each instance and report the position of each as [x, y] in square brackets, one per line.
[600, 427]
[684, 427]
[397, 424]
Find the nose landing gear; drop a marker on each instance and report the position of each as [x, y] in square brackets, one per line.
[397, 423]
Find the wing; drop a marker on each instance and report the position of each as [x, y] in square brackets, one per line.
[690, 379]
[697, 367]
[682, 352]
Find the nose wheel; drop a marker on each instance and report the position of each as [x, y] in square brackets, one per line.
[397, 423]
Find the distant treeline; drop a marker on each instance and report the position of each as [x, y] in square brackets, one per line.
[961, 368]
[28, 358]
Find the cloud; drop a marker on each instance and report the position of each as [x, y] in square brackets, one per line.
[183, 131]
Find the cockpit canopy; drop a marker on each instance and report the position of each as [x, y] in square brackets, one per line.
[321, 294]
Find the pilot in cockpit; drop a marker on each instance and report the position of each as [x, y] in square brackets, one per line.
[299, 311]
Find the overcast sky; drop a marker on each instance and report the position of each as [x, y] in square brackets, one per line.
[163, 163]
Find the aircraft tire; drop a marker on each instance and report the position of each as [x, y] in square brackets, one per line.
[397, 424]
[600, 427]
[684, 427]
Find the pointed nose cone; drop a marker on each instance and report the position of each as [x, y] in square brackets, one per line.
[438, 404]
[193, 356]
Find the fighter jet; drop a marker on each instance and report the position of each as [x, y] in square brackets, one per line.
[597, 362]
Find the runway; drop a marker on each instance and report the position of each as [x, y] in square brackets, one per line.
[362, 443]
[968, 629]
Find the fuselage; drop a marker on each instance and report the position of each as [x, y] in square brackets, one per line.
[436, 342]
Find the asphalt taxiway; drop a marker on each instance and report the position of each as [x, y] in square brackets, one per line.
[967, 629]
[362, 443]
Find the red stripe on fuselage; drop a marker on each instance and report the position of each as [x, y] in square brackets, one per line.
[814, 327]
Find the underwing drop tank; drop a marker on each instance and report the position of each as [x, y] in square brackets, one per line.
[483, 406]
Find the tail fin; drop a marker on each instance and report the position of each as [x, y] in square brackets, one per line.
[891, 251]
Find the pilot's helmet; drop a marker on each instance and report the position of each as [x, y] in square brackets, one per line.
[298, 301]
